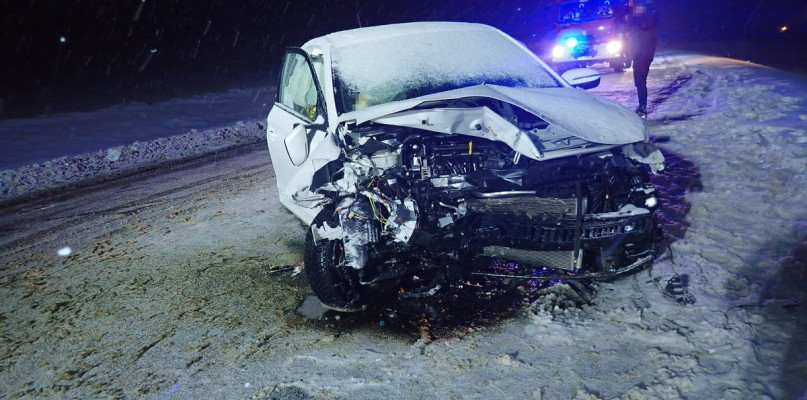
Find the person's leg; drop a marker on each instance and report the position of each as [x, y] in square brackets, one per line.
[641, 68]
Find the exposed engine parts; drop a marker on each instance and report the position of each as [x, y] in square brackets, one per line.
[416, 210]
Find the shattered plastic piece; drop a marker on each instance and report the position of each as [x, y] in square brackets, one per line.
[326, 232]
[274, 269]
[646, 153]
[297, 270]
[677, 289]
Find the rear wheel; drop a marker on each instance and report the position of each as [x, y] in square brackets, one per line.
[334, 283]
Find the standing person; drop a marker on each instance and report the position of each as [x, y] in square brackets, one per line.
[642, 24]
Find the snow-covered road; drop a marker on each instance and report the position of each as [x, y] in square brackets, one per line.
[168, 291]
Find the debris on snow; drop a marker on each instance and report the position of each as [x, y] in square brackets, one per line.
[557, 299]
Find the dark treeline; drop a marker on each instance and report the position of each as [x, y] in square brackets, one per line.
[54, 48]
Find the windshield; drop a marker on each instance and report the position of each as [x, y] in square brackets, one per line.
[581, 10]
[392, 67]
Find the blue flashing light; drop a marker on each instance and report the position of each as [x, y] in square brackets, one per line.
[571, 42]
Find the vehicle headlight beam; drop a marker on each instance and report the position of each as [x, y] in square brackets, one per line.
[614, 47]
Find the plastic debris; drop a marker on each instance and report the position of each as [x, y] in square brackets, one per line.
[274, 269]
[297, 269]
[677, 288]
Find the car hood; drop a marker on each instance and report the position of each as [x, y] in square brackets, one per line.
[568, 110]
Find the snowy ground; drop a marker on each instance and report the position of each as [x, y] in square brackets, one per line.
[168, 295]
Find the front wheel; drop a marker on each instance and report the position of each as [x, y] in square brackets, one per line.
[334, 283]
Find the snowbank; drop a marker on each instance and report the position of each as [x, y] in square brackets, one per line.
[102, 165]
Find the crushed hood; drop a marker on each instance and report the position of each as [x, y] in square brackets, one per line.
[568, 110]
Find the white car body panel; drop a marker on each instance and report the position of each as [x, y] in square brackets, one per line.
[477, 122]
[293, 181]
[576, 112]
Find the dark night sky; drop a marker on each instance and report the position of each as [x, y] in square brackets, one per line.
[123, 50]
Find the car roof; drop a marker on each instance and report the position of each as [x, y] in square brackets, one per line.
[385, 32]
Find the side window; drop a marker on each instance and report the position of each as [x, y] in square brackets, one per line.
[297, 88]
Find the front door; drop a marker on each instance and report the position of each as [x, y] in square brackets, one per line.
[296, 129]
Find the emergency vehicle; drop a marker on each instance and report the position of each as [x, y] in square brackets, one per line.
[589, 32]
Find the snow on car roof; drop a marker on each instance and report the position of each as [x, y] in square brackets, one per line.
[384, 32]
[392, 62]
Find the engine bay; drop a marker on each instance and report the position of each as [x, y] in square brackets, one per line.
[410, 201]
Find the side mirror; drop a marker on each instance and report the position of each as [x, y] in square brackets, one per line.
[297, 145]
[583, 78]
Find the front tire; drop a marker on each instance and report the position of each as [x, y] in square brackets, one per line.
[335, 284]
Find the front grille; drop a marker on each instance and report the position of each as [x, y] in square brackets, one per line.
[606, 229]
[553, 234]
[558, 233]
[584, 47]
[541, 224]
[552, 259]
[526, 205]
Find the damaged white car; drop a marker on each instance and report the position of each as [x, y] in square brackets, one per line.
[425, 155]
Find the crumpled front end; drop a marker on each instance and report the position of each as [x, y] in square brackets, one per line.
[424, 197]
[575, 217]
[411, 200]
